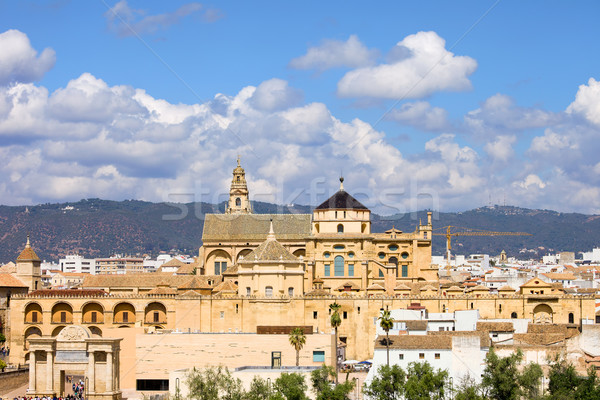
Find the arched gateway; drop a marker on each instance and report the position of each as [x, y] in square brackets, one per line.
[74, 351]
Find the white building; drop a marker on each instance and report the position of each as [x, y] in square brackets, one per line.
[77, 264]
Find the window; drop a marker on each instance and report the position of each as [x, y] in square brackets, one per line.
[393, 247]
[318, 356]
[350, 269]
[359, 310]
[220, 266]
[499, 308]
[380, 273]
[34, 318]
[513, 315]
[381, 255]
[351, 255]
[291, 292]
[404, 255]
[326, 254]
[437, 356]
[125, 316]
[315, 314]
[238, 202]
[94, 317]
[339, 247]
[248, 291]
[63, 317]
[424, 235]
[156, 317]
[336, 215]
[344, 214]
[345, 314]
[393, 260]
[340, 228]
[404, 270]
[571, 318]
[269, 291]
[327, 271]
[222, 314]
[421, 356]
[152, 384]
[471, 306]
[338, 268]
[441, 329]
[401, 356]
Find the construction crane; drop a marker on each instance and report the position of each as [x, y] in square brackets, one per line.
[469, 232]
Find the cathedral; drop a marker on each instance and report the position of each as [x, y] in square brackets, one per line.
[329, 251]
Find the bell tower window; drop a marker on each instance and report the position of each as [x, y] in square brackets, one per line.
[238, 201]
[340, 228]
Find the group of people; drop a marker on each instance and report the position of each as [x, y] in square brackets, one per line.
[5, 351]
[69, 397]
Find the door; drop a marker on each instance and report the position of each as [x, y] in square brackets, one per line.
[275, 359]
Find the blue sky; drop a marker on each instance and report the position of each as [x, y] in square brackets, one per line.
[444, 105]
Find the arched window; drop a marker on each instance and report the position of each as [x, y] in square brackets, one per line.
[513, 315]
[443, 308]
[571, 318]
[238, 178]
[269, 291]
[338, 266]
[291, 292]
[340, 228]
[238, 201]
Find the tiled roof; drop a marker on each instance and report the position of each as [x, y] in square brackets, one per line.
[479, 287]
[428, 287]
[68, 293]
[269, 250]
[348, 284]
[255, 227]
[190, 293]
[401, 286]
[195, 283]
[341, 200]
[415, 325]
[28, 254]
[173, 262]
[318, 292]
[9, 268]
[227, 286]
[186, 269]
[495, 326]
[375, 286]
[149, 280]
[232, 270]
[7, 280]
[506, 288]
[163, 290]
[556, 276]
[454, 289]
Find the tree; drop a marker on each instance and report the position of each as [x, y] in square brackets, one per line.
[2, 365]
[2, 338]
[387, 384]
[468, 389]
[214, 383]
[290, 387]
[424, 383]
[502, 379]
[386, 323]
[336, 321]
[297, 340]
[259, 390]
[323, 388]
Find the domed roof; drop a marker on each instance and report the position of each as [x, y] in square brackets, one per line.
[341, 200]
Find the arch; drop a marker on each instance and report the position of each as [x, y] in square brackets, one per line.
[513, 315]
[338, 266]
[33, 313]
[92, 313]
[95, 331]
[57, 330]
[393, 260]
[62, 313]
[219, 260]
[243, 253]
[571, 318]
[300, 253]
[155, 313]
[238, 202]
[32, 331]
[542, 314]
[123, 313]
[340, 228]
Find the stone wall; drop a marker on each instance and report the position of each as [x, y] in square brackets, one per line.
[12, 380]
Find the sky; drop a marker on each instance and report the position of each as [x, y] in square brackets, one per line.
[419, 105]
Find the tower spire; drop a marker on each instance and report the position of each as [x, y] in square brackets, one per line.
[239, 201]
[341, 183]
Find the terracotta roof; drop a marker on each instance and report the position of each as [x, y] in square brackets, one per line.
[173, 262]
[232, 270]
[352, 286]
[318, 292]
[454, 289]
[495, 326]
[415, 342]
[186, 269]
[484, 337]
[479, 287]
[556, 276]
[401, 286]
[375, 286]
[73, 274]
[163, 290]
[255, 227]
[28, 254]
[506, 288]
[415, 325]
[269, 250]
[7, 280]
[150, 280]
[318, 280]
[227, 286]
[195, 283]
[190, 293]
[427, 287]
[341, 200]
[68, 293]
[9, 268]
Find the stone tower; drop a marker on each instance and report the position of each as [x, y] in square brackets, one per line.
[239, 201]
[28, 267]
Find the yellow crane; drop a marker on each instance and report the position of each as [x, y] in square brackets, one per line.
[469, 232]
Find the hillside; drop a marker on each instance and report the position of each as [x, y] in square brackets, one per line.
[99, 228]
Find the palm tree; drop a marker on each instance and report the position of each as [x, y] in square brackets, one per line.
[336, 321]
[386, 323]
[298, 340]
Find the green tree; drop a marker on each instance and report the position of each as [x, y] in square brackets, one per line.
[387, 384]
[324, 390]
[588, 388]
[424, 383]
[2, 365]
[259, 390]
[336, 321]
[386, 323]
[467, 389]
[502, 379]
[290, 387]
[297, 340]
[2, 338]
[214, 383]
[563, 379]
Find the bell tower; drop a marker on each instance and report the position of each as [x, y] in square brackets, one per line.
[28, 267]
[239, 201]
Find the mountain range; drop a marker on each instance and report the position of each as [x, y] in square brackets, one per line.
[99, 228]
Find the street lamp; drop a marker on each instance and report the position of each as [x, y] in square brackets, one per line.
[269, 386]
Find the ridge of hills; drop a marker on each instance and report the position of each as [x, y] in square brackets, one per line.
[99, 228]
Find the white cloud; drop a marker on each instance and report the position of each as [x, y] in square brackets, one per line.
[424, 68]
[551, 143]
[275, 94]
[587, 102]
[126, 21]
[19, 62]
[336, 53]
[531, 180]
[500, 149]
[421, 115]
